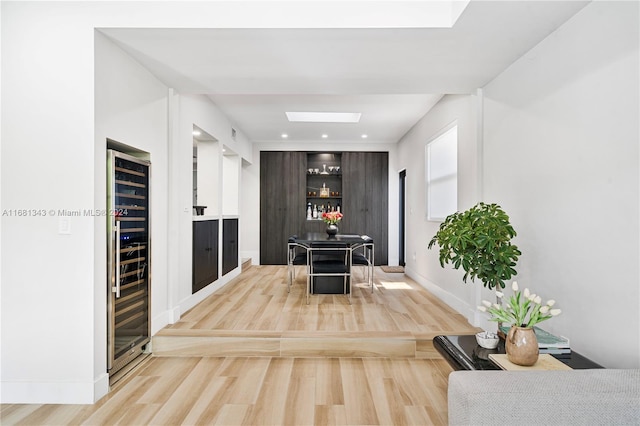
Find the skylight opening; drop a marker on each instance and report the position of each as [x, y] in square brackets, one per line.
[324, 117]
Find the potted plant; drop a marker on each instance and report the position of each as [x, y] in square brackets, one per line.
[479, 241]
[523, 311]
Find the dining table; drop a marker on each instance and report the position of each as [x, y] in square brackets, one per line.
[313, 237]
[330, 285]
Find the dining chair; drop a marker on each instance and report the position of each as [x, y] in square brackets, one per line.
[363, 255]
[297, 254]
[329, 259]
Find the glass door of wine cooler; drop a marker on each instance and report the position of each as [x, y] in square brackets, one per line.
[128, 258]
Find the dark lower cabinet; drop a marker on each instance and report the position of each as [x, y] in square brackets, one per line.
[205, 254]
[229, 245]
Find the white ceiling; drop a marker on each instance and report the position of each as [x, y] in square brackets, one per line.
[392, 76]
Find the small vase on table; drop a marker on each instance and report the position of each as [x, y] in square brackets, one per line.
[521, 346]
[332, 229]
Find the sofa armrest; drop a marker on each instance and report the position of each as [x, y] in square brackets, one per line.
[580, 397]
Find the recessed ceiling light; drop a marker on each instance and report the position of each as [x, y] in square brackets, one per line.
[196, 133]
[324, 117]
[364, 136]
[324, 136]
[284, 136]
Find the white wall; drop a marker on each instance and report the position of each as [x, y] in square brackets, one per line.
[231, 188]
[422, 264]
[188, 110]
[208, 180]
[48, 297]
[53, 149]
[561, 156]
[558, 150]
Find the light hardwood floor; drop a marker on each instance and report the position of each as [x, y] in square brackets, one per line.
[183, 385]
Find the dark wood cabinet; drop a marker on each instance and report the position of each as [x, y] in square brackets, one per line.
[362, 186]
[365, 201]
[229, 245]
[282, 202]
[205, 254]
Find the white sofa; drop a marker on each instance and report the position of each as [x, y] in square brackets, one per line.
[576, 397]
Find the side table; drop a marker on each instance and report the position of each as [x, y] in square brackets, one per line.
[463, 353]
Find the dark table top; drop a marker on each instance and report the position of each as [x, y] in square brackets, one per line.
[464, 353]
[314, 237]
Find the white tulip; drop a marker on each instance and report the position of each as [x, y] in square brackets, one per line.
[526, 293]
[499, 294]
[495, 305]
[551, 302]
[537, 300]
[532, 297]
[555, 312]
[482, 308]
[486, 303]
[514, 286]
[544, 309]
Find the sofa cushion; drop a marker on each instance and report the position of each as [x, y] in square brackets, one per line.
[576, 397]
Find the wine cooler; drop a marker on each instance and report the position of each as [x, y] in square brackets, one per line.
[128, 258]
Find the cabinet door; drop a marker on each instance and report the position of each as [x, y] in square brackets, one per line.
[282, 202]
[205, 254]
[365, 183]
[354, 200]
[377, 190]
[229, 245]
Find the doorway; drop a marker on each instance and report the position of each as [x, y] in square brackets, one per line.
[401, 216]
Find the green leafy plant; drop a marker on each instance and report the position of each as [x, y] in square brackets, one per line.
[479, 241]
[523, 309]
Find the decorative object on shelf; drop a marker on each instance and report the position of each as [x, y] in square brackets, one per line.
[523, 311]
[324, 170]
[324, 191]
[487, 339]
[331, 219]
[199, 210]
[479, 240]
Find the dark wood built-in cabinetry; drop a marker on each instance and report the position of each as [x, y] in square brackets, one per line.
[365, 179]
[359, 185]
[282, 202]
[229, 245]
[205, 253]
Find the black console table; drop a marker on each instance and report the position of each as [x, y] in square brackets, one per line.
[464, 353]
